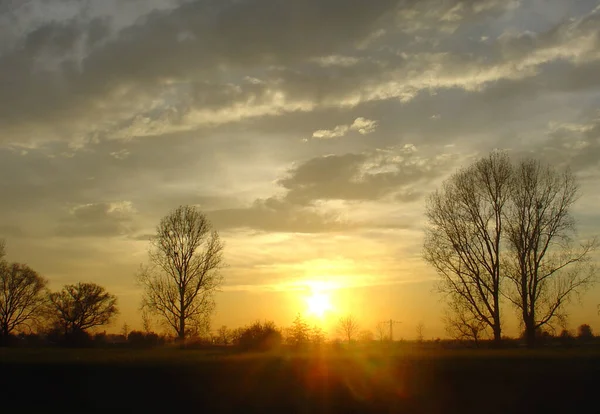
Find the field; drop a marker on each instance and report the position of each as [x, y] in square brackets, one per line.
[171, 380]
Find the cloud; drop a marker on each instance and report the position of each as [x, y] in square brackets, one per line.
[364, 176]
[278, 215]
[90, 76]
[98, 220]
[120, 155]
[574, 144]
[362, 125]
[336, 60]
[319, 193]
[97, 74]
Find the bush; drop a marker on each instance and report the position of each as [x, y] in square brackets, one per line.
[584, 332]
[259, 337]
[139, 339]
[566, 338]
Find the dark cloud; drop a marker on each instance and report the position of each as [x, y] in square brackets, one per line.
[77, 78]
[192, 40]
[368, 176]
[276, 215]
[98, 220]
[352, 178]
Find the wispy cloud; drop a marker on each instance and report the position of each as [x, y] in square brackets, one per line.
[361, 125]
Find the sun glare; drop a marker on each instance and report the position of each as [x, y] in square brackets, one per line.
[318, 304]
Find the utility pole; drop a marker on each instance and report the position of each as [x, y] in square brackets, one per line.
[391, 323]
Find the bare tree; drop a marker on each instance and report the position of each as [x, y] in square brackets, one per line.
[382, 331]
[80, 307]
[348, 328]
[224, 335]
[543, 266]
[2, 249]
[183, 274]
[463, 236]
[125, 330]
[22, 297]
[317, 336]
[420, 332]
[461, 323]
[146, 321]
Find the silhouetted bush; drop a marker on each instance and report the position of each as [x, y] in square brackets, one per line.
[259, 337]
[199, 342]
[100, 339]
[137, 339]
[31, 339]
[584, 332]
[566, 338]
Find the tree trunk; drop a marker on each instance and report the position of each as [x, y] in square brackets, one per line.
[497, 334]
[181, 333]
[530, 339]
[4, 335]
[497, 328]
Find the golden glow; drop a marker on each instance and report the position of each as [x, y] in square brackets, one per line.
[318, 304]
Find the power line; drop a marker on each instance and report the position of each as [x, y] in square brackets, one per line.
[391, 323]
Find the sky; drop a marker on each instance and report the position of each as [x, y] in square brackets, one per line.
[309, 132]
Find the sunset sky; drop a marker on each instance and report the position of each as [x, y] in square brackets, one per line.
[309, 131]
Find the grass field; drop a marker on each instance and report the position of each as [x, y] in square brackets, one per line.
[171, 380]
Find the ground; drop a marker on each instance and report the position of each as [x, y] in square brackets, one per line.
[171, 380]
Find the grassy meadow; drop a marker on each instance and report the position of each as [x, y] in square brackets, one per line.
[325, 381]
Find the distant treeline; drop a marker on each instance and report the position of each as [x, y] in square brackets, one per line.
[266, 336]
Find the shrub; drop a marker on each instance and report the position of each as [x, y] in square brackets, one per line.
[259, 337]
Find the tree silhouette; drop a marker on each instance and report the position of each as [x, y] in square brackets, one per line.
[299, 332]
[584, 332]
[525, 210]
[22, 297]
[224, 335]
[383, 333]
[259, 337]
[420, 332]
[182, 277]
[462, 239]
[317, 336]
[348, 328]
[80, 307]
[544, 268]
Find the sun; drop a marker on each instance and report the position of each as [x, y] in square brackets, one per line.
[318, 304]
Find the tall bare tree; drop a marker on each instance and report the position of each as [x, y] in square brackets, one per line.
[543, 265]
[183, 274]
[463, 236]
[80, 307]
[22, 297]
[348, 327]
